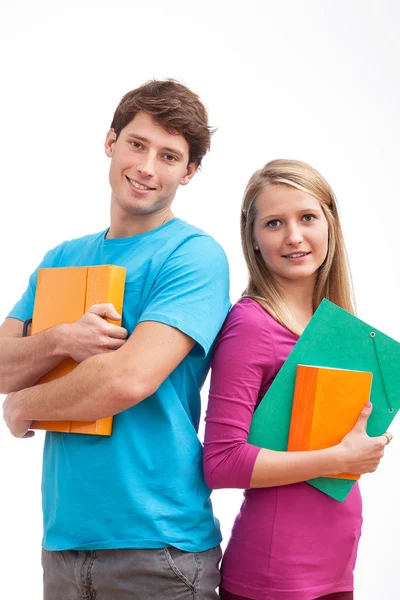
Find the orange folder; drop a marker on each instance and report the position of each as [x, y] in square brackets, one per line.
[326, 405]
[63, 295]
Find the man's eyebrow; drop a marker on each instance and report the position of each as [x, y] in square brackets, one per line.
[138, 137]
[178, 153]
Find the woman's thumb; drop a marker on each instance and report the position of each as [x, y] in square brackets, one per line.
[361, 424]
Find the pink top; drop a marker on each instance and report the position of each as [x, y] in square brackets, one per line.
[290, 542]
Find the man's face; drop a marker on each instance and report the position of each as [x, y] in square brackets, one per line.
[147, 166]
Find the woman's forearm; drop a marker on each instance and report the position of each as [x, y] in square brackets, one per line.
[273, 468]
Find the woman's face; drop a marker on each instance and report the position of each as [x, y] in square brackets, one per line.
[291, 232]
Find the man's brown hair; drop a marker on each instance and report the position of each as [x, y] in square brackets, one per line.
[173, 106]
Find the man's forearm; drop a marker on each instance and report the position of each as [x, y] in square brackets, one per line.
[95, 389]
[106, 384]
[23, 361]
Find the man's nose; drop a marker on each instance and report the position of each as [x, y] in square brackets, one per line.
[146, 165]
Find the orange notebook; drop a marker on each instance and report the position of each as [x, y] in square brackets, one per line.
[326, 405]
[63, 295]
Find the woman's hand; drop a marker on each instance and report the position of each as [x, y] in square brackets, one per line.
[359, 453]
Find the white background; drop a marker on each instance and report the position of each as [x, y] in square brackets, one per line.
[313, 80]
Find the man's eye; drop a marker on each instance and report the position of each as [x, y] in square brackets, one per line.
[170, 157]
[136, 144]
[272, 224]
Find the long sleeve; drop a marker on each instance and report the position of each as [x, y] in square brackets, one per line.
[243, 367]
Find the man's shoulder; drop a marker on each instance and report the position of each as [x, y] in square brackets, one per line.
[73, 247]
[190, 229]
[84, 240]
[199, 239]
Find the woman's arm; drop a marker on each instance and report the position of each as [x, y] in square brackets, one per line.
[244, 362]
[356, 454]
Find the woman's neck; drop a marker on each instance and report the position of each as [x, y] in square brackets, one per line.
[299, 296]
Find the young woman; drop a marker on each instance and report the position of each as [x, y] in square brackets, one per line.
[289, 541]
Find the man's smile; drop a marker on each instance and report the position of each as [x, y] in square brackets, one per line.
[139, 186]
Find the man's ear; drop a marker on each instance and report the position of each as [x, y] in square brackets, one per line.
[111, 138]
[190, 171]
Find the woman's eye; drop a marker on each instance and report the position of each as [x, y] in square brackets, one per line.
[274, 223]
[308, 218]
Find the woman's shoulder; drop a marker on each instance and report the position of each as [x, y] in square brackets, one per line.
[246, 323]
[250, 312]
[249, 318]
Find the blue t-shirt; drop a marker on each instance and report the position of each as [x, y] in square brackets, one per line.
[142, 487]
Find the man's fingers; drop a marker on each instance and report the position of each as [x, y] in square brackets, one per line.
[106, 311]
[119, 333]
[29, 434]
[114, 343]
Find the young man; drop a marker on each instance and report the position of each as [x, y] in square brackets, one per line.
[129, 517]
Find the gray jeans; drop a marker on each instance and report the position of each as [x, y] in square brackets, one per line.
[159, 574]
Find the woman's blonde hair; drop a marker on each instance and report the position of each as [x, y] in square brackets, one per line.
[334, 281]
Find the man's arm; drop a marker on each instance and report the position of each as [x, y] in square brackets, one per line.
[24, 360]
[105, 384]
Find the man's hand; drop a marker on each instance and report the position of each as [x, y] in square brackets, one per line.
[92, 334]
[18, 428]
[105, 384]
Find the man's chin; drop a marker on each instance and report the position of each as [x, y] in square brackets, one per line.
[139, 209]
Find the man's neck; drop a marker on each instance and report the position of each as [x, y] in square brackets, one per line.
[134, 225]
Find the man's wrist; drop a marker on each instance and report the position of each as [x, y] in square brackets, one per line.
[57, 340]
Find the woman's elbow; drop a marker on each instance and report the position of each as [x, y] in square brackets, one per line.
[211, 470]
[216, 474]
[211, 477]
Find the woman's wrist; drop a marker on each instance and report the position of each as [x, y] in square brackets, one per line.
[334, 461]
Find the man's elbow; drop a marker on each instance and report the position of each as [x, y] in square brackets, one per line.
[132, 391]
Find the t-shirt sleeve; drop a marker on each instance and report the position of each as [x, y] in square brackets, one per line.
[242, 366]
[23, 309]
[191, 292]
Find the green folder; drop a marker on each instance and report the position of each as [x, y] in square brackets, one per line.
[333, 338]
